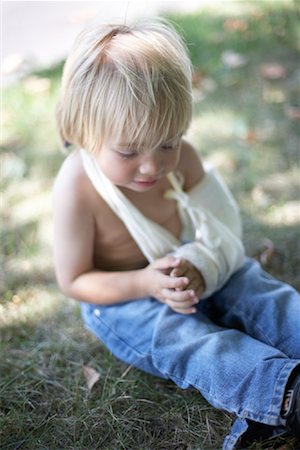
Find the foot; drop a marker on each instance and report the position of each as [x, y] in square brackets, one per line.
[259, 432]
[291, 408]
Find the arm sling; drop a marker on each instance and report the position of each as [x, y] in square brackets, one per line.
[210, 219]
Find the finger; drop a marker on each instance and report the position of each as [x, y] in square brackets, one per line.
[175, 282]
[187, 307]
[195, 284]
[192, 284]
[185, 311]
[179, 271]
[199, 288]
[167, 262]
[182, 310]
[184, 271]
[182, 299]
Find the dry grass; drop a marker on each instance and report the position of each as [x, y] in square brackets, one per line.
[243, 123]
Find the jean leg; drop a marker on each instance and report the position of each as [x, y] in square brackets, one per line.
[232, 370]
[126, 330]
[261, 306]
[228, 367]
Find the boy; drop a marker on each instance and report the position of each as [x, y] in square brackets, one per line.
[150, 242]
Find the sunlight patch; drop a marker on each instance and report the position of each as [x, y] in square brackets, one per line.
[30, 305]
[287, 214]
[219, 123]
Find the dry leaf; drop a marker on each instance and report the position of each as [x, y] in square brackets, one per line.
[251, 136]
[233, 24]
[267, 253]
[91, 376]
[273, 71]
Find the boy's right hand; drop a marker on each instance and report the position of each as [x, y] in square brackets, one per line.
[169, 289]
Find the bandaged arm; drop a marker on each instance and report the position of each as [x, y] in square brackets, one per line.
[217, 250]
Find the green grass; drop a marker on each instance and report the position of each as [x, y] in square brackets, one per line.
[242, 124]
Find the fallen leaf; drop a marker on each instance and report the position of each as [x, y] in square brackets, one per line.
[91, 376]
[267, 253]
[273, 71]
[251, 136]
[235, 25]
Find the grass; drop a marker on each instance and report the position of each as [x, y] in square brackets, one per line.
[244, 124]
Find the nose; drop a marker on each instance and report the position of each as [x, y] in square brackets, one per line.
[151, 164]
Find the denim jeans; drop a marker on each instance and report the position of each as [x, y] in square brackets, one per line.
[238, 350]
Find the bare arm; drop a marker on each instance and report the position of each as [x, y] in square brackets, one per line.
[108, 288]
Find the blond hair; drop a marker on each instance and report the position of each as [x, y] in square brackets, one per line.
[125, 79]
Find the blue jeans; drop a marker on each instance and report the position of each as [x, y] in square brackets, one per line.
[238, 350]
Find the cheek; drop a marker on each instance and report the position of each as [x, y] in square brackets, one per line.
[115, 170]
[173, 160]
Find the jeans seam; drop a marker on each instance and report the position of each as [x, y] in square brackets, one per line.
[278, 381]
[247, 413]
[267, 341]
[219, 404]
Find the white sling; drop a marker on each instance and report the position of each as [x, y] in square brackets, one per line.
[209, 215]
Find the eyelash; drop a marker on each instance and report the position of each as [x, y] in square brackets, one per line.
[127, 155]
[167, 147]
[133, 155]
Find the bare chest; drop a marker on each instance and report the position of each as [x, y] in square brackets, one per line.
[115, 248]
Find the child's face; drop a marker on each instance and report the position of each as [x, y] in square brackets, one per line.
[139, 170]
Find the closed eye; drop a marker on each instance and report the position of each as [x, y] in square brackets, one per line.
[127, 155]
[167, 147]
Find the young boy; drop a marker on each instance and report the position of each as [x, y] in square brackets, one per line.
[150, 242]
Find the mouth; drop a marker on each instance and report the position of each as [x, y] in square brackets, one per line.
[146, 183]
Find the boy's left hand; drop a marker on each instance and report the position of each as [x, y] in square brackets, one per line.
[196, 281]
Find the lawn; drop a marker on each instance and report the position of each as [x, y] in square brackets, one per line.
[246, 122]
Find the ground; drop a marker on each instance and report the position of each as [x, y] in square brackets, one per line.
[246, 122]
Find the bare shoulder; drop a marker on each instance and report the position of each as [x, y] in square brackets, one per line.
[190, 165]
[71, 179]
[73, 194]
